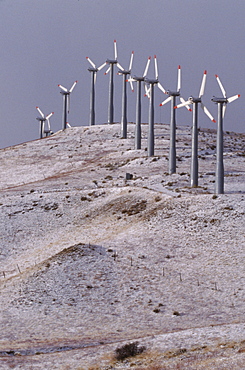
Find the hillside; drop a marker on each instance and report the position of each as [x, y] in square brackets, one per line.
[91, 260]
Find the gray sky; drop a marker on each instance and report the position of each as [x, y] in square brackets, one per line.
[45, 43]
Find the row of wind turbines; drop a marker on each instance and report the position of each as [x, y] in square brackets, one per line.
[149, 85]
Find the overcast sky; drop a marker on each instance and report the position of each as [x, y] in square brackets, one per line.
[45, 43]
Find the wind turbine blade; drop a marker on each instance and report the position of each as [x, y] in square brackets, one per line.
[183, 104]
[224, 109]
[49, 127]
[71, 89]
[68, 103]
[108, 69]
[232, 98]
[130, 80]
[115, 49]
[221, 86]
[147, 66]
[102, 66]
[183, 101]
[156, 67]
[165, 101]
[206, 111]
[147, 91]
[40, 112]
[90, 61]
[131, 61]
[179, 79]
[68, 124]
[49, 115]
[63, 88]
[95, 76]
[120, 67]
[161, 88]
[202, 88]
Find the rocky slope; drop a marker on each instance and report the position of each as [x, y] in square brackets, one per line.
[91, 260]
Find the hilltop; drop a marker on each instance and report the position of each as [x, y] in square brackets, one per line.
[91, 260]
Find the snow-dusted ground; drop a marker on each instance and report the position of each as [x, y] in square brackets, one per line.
[90, 257]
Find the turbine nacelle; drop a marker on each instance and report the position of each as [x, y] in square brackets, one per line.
[172, 93]
[194, 100]
[138, 78]
[150, 81]
[93, 70]
[219, 100]
[111, 61]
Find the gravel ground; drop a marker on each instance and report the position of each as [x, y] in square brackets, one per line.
[90, 260]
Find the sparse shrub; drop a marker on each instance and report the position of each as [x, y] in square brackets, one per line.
[156, 310]
[128, 350]
[176, 313]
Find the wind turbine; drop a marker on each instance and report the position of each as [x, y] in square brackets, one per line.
[194, 153]
[222, 102]
[138, 104]
[42, 121]
[125, 73]
[66, 102]
[93, 70]
[150, 94]
[172, 97]
[111, 62]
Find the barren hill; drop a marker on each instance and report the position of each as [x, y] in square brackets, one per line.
[91, 260]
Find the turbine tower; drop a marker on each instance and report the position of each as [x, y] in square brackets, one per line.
[150, 94]
[93, 70]
[194, 151]
[221, 102]
[125, 73]
[66, 102]
[42, 121]
[138, 104]
[112, 62]
[172, 97]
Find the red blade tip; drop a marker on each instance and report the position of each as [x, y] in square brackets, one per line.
[239, 95]
[205, 72]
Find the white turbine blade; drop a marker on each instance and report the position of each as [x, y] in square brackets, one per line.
[71, 89]
[232, 98]
[90, 61]
[63, 88]
[179, 79]
[156, 67]
[68, 103]
[102, 66]
[40, 112]
[202, 88]
[115, 49]
[49, 127]
[107, 71]
[206, 111]
[130, 80]
[120, 67]
[131, 61]
[161, 88]
[95, 76]
[147, 91]
[221, 86]
[183, 101]
[224, 109]
[147, 66]
[68, 124]
[165, 101]
[49, 115]
[183, 104]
